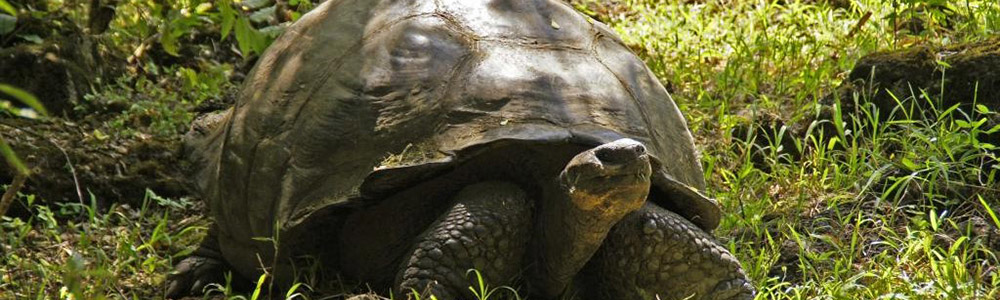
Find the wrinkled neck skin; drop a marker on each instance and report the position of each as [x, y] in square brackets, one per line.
[574, 221]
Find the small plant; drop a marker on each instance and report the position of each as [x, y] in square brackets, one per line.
[482, 290]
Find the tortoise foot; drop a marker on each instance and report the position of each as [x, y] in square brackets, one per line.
[486, 230]
[196, 272]
[193, 274]
[656, 254]
[737, 288]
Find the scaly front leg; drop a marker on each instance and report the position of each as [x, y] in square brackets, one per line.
[487, 229]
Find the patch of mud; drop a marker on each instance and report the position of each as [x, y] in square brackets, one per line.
[72, 160]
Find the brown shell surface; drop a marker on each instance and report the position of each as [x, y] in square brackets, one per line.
[359, 95]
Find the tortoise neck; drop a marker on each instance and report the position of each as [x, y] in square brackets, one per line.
[566, 239]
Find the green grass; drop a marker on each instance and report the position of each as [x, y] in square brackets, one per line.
[77, 251]
[905, 209]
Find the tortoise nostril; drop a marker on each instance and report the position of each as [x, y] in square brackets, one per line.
[639, 149]
[620, 154]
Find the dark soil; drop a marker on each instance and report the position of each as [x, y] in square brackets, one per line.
[74, 160]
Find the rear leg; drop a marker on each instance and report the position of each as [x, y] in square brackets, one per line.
[203, 267]
[487, 229]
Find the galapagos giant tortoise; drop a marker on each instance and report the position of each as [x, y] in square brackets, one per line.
[402, 143]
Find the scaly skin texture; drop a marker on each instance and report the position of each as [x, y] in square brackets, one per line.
[487, 230]
[656, 254]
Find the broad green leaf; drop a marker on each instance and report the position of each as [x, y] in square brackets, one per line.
[947, 112]
[979, 123]
[256, 4]
[228, 17]
[7, 8]
[994, 129]
[250, 40]
[265, 15]
[168, 37]
[25, 97]
[270, 33]
[244, 36]
[34, 38]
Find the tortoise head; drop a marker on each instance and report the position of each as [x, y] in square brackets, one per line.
[610, 180]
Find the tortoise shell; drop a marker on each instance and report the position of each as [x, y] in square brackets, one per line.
[359, 99]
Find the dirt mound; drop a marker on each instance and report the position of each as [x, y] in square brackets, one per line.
[58, 75]
[927, 80]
